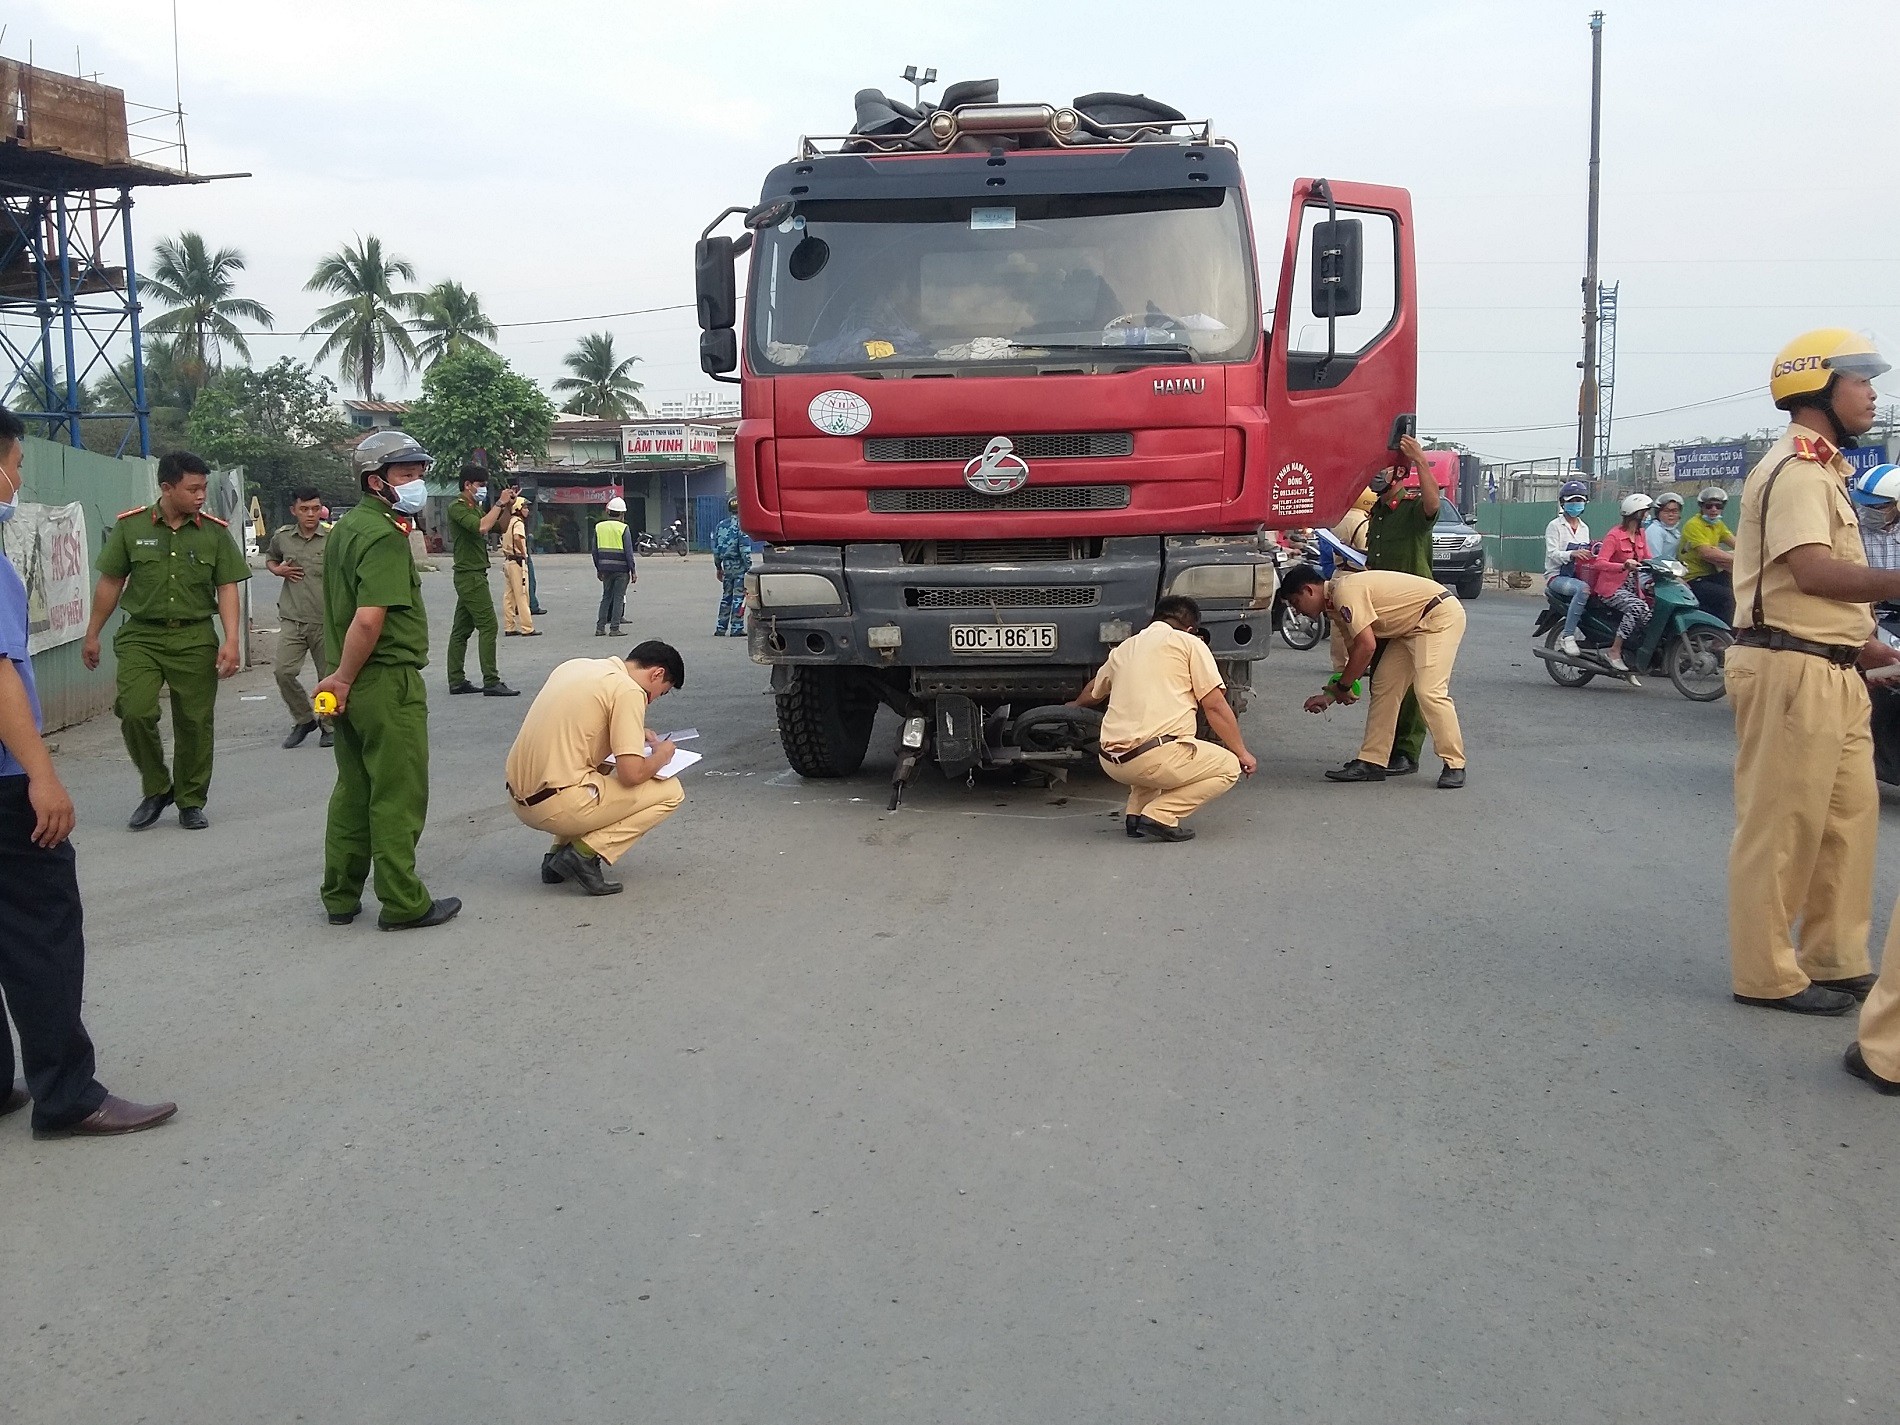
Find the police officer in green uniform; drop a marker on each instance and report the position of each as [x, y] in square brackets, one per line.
[171, 566]
[376, 633]
[1399, 537]
[474, 606]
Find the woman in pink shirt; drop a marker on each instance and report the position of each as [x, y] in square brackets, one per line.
[1610, 568]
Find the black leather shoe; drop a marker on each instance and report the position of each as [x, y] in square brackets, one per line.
[1401, 765]
[1812, 1000]
[584, 871]
[17, 1098]
[537, 612]
[439, 913]
[1452, 778]
[530, 633]
[499, 690]
[1356, 771]
[148, 811]
[328, 739]
[1154, 830]
[1859, 986]
[1857, 1066]
[463, 687]
[512, 633]
[299, 733]
[550, 876]
[193, 818]
[1132, 825]
[344, 917]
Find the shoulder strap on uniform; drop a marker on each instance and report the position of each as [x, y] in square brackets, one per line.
[135, 510]
[221, 524]
[1761, 558]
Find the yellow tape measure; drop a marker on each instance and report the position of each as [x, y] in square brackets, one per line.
[324, 704]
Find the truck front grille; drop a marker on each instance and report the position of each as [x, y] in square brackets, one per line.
[1000, 551]
[885, 449]
[1009, 596]
[961, 500]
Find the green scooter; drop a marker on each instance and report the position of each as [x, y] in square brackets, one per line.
[1679, 640]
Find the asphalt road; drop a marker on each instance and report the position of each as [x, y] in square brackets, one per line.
[1372, 1104]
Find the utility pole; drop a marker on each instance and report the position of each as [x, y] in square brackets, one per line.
[1587, 389]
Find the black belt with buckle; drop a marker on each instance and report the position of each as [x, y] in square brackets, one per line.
[1432, 605]
[1132, 753]
[173, 622]
[1841, 655]
[538, 797]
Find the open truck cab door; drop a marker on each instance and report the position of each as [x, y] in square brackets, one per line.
[1342, 354]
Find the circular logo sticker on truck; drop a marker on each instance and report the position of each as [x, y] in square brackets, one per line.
[840, 412]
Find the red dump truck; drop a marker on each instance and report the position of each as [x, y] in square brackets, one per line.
[1005, 381]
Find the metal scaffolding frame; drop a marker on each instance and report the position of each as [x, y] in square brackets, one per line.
[64, 307]
[1606, 371]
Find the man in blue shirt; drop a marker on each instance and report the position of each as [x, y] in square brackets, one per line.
[732, 557]
[43, 949]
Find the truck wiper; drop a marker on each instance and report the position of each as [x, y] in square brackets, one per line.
[1138, 355]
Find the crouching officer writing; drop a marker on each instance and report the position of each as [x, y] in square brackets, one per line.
[376, 633]
[559, 777]
[171, 567]
[1421, 626]
[1154, 683]
[1806, 808]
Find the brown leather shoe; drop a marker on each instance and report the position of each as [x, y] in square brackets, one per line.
[16, 1099]
[115, 1115]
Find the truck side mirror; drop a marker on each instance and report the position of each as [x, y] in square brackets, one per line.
[714, 284]
[718, 351]
[1339, 267]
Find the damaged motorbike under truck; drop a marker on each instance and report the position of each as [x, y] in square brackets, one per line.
[1004, 382]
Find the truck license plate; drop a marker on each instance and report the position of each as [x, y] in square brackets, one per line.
[1003, 638]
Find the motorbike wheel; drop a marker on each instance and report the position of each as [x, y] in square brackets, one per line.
[1302, 632]
[1562, 674]
[1695, 662]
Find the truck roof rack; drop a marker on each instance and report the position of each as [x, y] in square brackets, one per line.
[1091, 121]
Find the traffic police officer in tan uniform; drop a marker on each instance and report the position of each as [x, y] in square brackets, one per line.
[1806, 808]
[172, 567]
[1154, 683]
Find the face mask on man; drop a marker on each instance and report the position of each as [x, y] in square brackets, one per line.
[410, 498]
[1573, 507]
[7, 506]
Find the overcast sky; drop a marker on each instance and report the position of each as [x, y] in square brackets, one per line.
[560, 158]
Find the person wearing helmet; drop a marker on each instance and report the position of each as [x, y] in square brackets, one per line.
[376, 633]
[1664, 530]
[613, 566]
[1707, 550]
[732, 558]
[516, 619]
[1875, 493]
[1807, 811]
[1611, 570]
[1352, 531]
[1565, 538]
[474, 605]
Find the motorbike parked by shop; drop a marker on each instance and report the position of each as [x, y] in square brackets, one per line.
[1680, 640]
[671, 540]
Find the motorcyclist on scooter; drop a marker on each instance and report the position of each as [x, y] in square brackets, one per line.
[1611, 570]
[1563, 538]
[1876, 496]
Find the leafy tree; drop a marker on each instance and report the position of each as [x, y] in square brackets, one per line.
[602, 385]
[367, 323]
[196, 284]
[448, 318]
[280, 424]
[473, 400]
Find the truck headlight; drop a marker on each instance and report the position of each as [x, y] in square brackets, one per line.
[798, 591]
[1253, 583]
[884, 635]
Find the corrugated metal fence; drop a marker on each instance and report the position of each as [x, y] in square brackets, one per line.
[57, 474]
[1514, 533]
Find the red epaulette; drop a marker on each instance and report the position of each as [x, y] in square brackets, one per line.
[135, 510]
[221, 524]
[1817, 448]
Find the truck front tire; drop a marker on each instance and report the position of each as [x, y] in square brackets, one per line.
[824, 722]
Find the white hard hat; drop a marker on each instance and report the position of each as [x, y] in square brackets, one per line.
[1635, 504]
[616, 506]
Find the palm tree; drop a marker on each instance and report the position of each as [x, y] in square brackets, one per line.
[601, 385]
[196, 284]
[367, 323]
[449, 317]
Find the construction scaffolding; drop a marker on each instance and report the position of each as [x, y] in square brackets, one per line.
[1606, 372]
[71, 351]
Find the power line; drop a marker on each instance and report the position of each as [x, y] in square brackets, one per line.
[1752, 393]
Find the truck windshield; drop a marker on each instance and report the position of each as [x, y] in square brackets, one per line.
[844, 285]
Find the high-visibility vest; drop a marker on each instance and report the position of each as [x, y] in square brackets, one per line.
[610, 534]
[613, 551]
